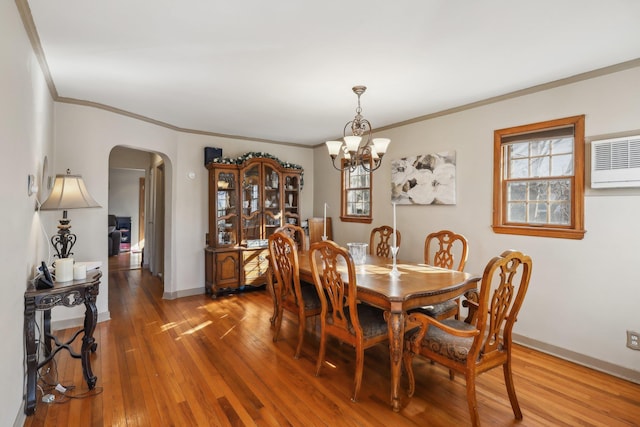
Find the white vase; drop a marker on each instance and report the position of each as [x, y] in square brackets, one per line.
[291, 200]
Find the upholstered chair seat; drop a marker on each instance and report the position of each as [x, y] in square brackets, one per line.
[309, 296]
[371, 320]
[451, 346]
[439, 310]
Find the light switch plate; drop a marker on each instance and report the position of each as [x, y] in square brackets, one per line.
[633, 340]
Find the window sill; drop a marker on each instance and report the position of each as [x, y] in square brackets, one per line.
[363, 220]
[560, 233]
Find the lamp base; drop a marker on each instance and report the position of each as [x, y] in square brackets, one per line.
[64, 240]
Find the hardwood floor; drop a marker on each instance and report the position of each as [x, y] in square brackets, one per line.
[201, 362]
[128, 260]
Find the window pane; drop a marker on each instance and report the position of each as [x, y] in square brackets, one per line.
[562, 165]
[359, 178]
[540, 148]
[358, 202]
[516, 191]
[519, 150]
[563, 145]
[538, 190]
[560, 190]
[539, 167]
[516, 212]
[519, 168]
[537, 213]
[560, 213]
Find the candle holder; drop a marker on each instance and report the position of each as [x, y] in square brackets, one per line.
[394, 270]
[324, 237]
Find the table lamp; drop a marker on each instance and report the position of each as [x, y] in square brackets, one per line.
[69, 192]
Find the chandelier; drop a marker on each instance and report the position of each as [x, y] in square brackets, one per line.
[358, 149]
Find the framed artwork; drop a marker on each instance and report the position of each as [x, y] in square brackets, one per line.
[426, 179]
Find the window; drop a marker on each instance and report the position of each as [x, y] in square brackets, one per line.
[356, 193]
[538, 182]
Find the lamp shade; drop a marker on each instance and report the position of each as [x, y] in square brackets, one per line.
[69, 192]
[334, 147]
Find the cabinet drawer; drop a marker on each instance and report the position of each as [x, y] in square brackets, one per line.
[255, 266]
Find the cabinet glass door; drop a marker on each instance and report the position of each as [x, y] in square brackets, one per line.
[251, 204]
[272, 202]
[291, 199]
[226, 208]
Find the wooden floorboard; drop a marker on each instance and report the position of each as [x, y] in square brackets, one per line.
[195, 361]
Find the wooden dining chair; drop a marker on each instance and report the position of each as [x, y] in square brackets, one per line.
[449, 250]
[300, 238]
[297, 234]
[483, 340]
[381, 240]
[342, 315]
[289, 294]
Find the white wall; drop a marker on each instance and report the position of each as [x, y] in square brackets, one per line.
[84, 138]
[26, 137]
[583, 294]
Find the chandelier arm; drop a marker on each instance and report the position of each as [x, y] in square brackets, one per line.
[333, 162]
[366, 151]
[377, 164]
[348, 125]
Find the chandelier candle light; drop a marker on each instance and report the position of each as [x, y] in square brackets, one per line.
[358, 149]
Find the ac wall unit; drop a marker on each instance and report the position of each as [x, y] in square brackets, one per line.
[615, 162]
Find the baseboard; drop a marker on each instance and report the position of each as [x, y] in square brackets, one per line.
[183, 293]
[580, 359]
[77, 322]
[21, 418]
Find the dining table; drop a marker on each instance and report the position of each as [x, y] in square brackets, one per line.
[416, 285]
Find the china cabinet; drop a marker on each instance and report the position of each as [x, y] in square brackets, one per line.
[249, 198]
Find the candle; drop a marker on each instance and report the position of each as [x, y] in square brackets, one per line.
[64, 269]
[324, 221]
[394, 224]
[79, 271]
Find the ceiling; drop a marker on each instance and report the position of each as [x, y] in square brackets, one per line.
[283, 70]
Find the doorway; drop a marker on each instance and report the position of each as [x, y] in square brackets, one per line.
[136, 194]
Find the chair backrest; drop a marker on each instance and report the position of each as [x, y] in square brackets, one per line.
[504, 285]
[297, 234]
[284, 261]
[381, 241]
[327, 258]
[443, 247]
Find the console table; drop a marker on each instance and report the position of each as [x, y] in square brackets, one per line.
[67, 294]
